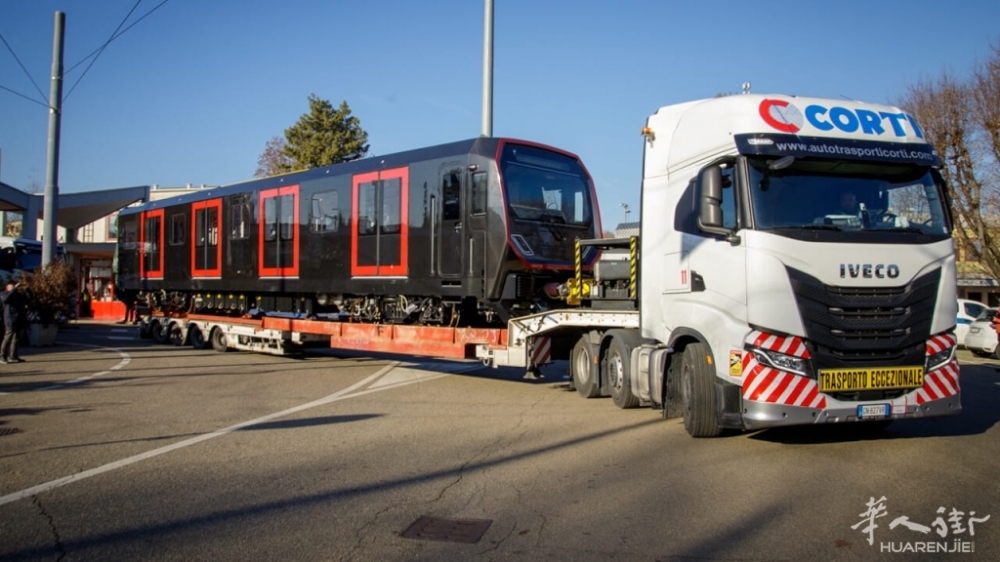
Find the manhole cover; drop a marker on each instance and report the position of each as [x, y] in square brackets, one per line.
[450, 530]
[8, 431]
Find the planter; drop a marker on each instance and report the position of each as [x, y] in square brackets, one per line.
[42, 335]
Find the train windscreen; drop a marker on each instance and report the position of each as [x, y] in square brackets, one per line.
[545, 186]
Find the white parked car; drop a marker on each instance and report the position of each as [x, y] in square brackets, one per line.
[968, 311]
[982, 336]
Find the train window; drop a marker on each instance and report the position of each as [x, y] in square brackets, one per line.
[325, 212]
[177, 229]
[451, 194]
[480, 181]
[366, 208]
[392, 199]
[239, 221]
[278, 217]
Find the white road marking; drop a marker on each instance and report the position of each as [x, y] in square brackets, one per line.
[408, 378]
[126, 359]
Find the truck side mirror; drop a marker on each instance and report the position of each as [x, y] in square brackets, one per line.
[710, 217]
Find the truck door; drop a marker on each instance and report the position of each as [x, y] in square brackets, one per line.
[450, 246]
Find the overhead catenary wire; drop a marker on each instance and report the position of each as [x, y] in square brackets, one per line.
[118, 32]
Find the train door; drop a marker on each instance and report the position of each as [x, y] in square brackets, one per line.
[476, 228]
[279, 232]
[380, 230]
[151, 245]
[450, 243]
[206, 252]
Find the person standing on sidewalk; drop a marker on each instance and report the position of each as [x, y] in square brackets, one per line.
[15, 318]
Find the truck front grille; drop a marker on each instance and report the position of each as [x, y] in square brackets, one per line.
[850, 327]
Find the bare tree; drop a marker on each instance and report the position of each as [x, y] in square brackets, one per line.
[273, 160]
[962, 120]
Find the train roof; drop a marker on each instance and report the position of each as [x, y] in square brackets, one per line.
[485, 146]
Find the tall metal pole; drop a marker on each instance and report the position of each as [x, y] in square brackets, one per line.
[488, 71]
[50, 223]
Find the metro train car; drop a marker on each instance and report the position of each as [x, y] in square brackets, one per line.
[472, 232]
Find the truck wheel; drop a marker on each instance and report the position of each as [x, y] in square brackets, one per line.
[584, 370]
[617, 365]
[219, 342]
[176, 334]
[197, 337]
[698, 390]
[158, 331]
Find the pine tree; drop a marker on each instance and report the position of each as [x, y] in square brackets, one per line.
[323, 136]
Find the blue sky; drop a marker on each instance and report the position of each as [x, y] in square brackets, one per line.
[193, 92]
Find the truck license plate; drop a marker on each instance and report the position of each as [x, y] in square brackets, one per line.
[871, 411]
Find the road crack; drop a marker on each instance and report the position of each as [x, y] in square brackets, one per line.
[52, 525]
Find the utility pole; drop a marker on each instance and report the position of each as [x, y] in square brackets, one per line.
[50, 207]
[487, 130]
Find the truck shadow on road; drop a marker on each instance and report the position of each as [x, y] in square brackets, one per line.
[980, 412]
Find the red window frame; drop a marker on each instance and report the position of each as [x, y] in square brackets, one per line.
[205, 205]
[143, 237]
[288, 271]
[400, 270]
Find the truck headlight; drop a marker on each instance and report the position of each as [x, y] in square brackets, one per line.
[937, 359]
[781, 361]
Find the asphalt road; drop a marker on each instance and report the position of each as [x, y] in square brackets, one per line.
[113, 448]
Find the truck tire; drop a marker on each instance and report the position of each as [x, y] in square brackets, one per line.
[159, 331]
[583, 369]
[175, 334]
[219, 342]
[698, 391]
[617, 365]
[197, 337]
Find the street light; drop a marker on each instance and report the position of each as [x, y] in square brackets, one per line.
[625, 206]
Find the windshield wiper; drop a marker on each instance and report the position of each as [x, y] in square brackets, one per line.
[832, 227]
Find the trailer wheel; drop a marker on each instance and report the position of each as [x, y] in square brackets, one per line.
[617, 370]
[584, 370]
[698, 390]
[175, 333]
[219, 342]
[159, 331]
[197, 337]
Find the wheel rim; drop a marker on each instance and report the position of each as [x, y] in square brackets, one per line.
[581, 372]
[617, 371]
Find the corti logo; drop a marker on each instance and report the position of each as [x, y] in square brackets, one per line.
[781, 115]
[787, 118]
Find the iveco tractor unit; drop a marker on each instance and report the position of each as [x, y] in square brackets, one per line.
[794, 266]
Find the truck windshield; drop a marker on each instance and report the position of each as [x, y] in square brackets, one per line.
[838, 195]
[544, 186]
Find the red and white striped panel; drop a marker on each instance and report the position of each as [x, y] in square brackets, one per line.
[940, 343]
[942, 383]
[788, 345]
[541, 351]
[765, 384]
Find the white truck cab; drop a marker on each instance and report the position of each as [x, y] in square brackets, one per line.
[797, 264]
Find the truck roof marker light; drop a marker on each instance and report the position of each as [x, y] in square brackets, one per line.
[648, 134]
